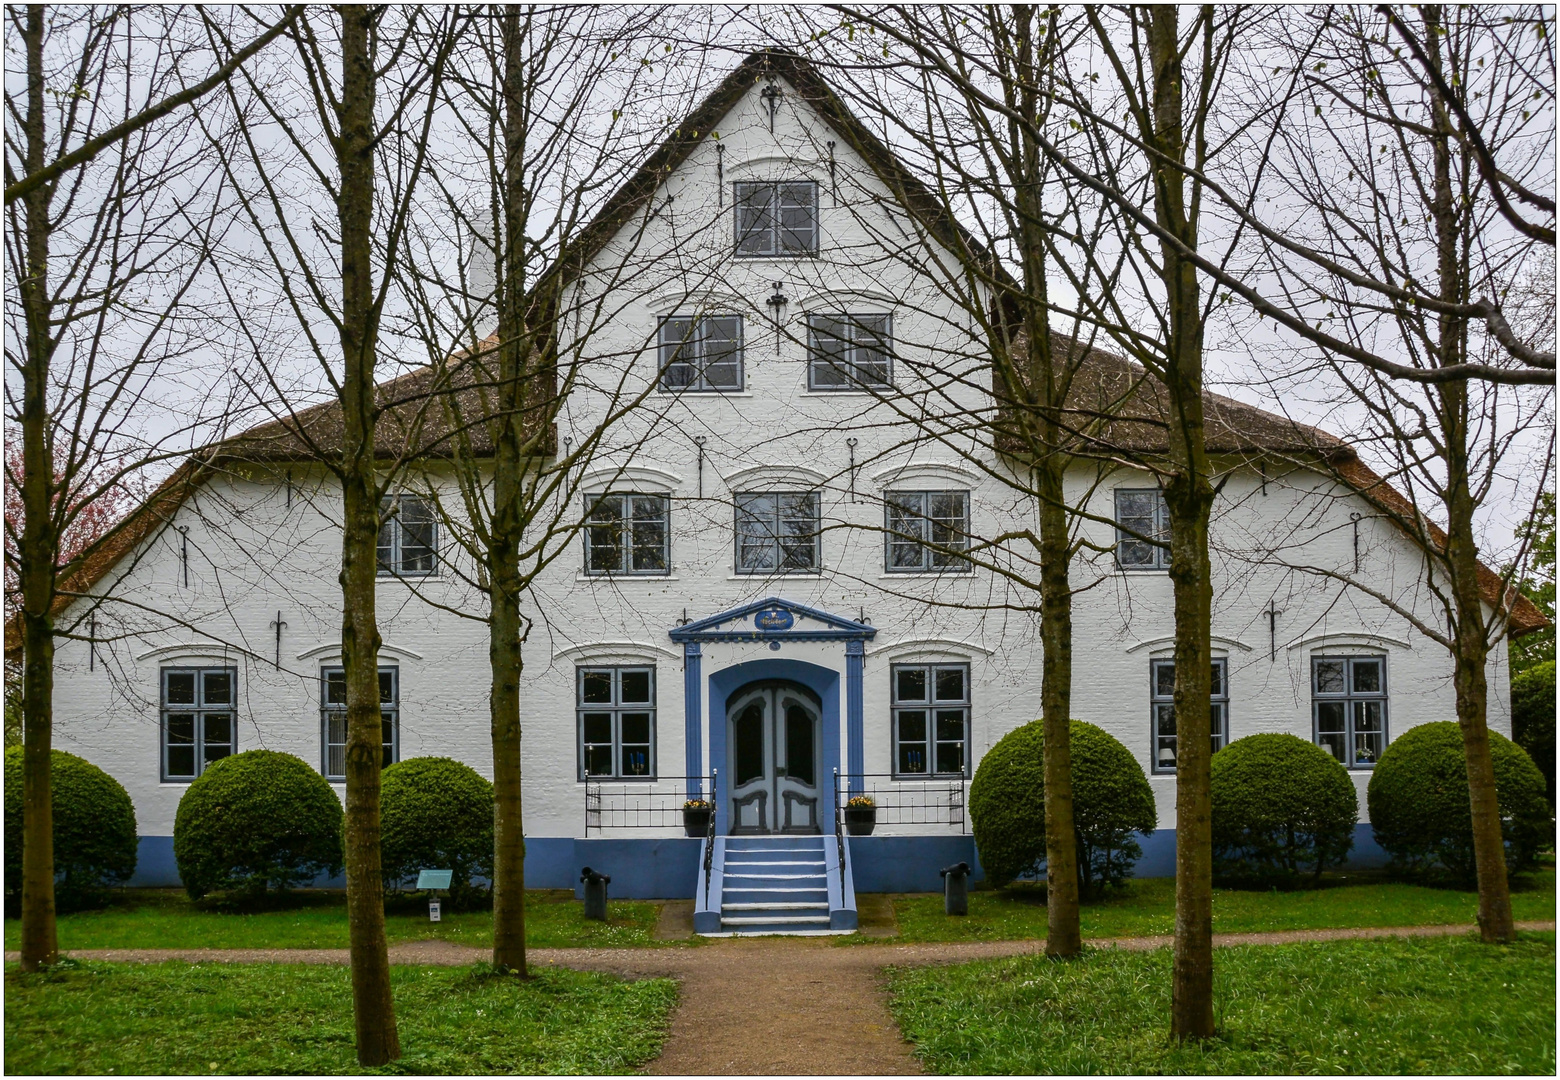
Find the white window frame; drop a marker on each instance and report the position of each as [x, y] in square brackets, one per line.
[1354, 702]
[860, 336]
[198, 710]
[692, 351]
[1158, 703]
[616, 708]
[389, 713]
[392, 534]
[627, 548]
[894, 535]
[930, 706]
[1160, 555]
[774, 542]
[773, 236]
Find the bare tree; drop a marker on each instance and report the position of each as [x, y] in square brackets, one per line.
[526, 95]
[351, 127]
[1438, 137]
[109, 212]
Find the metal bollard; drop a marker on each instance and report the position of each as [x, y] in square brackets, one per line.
[956, 893]
[595, 894]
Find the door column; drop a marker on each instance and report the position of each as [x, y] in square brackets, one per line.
[693, 726]
[855, 742]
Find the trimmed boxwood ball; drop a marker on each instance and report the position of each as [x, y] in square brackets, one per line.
[1281, 807]
[1533, 719]
[94, 829]
[1418, 800]
[256, 821]
[1111, 801]
[436, 814]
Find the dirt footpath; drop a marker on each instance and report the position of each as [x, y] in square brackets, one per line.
[765, 1005]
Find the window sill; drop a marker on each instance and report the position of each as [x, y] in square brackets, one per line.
[707, 393]
[408, 577]
[929, 778]
[904, 575]
[872, 392]
[620, 780]
[771, 257]
[804, 575]
[582, 576]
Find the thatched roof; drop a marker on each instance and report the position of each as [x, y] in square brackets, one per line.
[1131, 408]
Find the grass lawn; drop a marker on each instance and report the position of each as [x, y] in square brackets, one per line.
[1431, 1005]
[1147, 906]
[166, 919]
[296, 1018]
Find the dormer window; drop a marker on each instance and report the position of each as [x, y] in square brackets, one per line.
[777, 218]
[701, 354]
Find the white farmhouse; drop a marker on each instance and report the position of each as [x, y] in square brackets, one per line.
[747, 611]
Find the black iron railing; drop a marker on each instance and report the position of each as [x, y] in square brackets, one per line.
[900, 800]
[645, 804]
[709, 840]
[839, 824]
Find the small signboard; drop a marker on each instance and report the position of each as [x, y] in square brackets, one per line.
[433, 911]
[434, 879]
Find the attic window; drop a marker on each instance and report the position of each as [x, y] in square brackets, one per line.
[409, 537]
[777, 218]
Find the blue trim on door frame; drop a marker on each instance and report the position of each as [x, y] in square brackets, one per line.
[825, 682]
[692, 715]
[855, 738]
[837, 627]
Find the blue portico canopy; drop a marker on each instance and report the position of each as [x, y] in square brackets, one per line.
[772, 618]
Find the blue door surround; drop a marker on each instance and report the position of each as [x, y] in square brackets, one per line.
[775, 620]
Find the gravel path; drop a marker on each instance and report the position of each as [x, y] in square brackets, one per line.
[766, 1005]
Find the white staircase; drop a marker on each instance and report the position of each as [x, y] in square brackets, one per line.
[776, 885]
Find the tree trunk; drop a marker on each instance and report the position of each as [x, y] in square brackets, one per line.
[1189, 498]
[504, 622]
[1040, 397]
[373, 1007]
[39, 545]
[1063, 933]
[1470, 647]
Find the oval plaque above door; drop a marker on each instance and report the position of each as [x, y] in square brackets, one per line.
[774, 618]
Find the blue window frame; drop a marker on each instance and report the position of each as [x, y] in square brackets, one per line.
[616, 712]
[931, 717]
[1161, 694]
[1144, 513]
[197, 719]
[333, 719]
[1349, 708]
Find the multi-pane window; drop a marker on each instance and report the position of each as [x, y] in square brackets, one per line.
[701, 355]
[931, 706]
[627, 534]
[777, 218]
[197, 719]
[848, 352]
[333, 718]
[1349, 703]
[1142, 513]
[777, 532]
[408, 539]
[926, 530]
[616, 707]
[1162, 710]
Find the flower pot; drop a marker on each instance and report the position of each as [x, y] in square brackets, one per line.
[860, 820]
[696, 823]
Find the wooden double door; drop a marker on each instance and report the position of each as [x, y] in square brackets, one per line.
[774, 758]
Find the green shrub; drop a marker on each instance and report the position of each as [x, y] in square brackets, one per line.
[256, 821]
[1418, 800]
[1111, 801]
[94, 829]
[1281, 807]
[1533, 719]
[437, 814]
